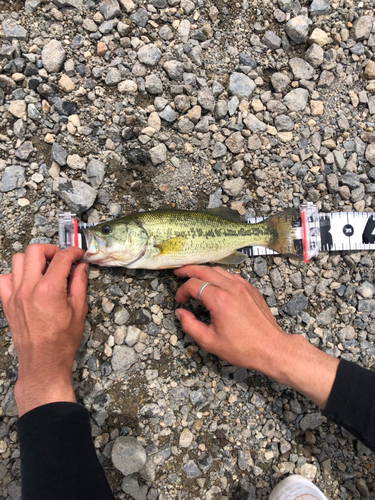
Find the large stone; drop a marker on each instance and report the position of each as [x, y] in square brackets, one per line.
[280, 81]
[25, 150]
[370, 70]
[370, 154]
[233, 187]
[128, 455]
[296, 99]
[123, 358]
[314, 55]
[301, 69]
[13, 178]
[18, 108]
[13, 31]
[153, 84]
[241, 85]
[319, 37]
[319, 8]
[206, 99]
[296, 304]
[298, 28]
[175, 70]
[53, 56]
[110, 9]
[254, 124]
[235, 142]
[158, 154]
[113, 77]
[78, 195]
[362, 28]
[149, 54]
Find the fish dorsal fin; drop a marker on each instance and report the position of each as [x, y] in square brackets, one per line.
[233, 258]
[226, 213]
[171, 246]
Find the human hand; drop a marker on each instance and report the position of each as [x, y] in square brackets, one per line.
[244, 332]
[46, 315]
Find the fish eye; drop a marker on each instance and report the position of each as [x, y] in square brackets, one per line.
[106, 229]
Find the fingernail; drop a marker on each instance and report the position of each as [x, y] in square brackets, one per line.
[178, 315]
[87, 267]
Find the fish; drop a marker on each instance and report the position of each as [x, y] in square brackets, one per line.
[170, 238]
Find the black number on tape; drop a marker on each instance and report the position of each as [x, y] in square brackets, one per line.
[368, 236]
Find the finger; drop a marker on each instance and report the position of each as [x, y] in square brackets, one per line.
[36, 258]
[77, 288]
[205, 273]
[6, 286]
[225, 273]
[18, 261]
[198, 331]
[60, 266]
[191, 288]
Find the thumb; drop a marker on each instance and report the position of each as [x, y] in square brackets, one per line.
[198, 331]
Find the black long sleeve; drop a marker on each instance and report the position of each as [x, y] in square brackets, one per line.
[58, 458]
[351, 403]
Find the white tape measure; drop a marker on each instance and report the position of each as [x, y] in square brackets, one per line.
[326, 232]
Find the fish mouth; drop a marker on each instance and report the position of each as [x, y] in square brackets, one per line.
[95, 247]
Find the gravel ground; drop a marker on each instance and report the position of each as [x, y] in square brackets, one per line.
[120, 105]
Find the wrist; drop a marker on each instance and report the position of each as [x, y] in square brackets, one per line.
[30, 393]
[298, 364]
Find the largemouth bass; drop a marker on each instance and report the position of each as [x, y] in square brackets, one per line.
[162, 239]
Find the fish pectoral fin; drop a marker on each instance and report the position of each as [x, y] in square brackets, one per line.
[233, 258]
[173, 245]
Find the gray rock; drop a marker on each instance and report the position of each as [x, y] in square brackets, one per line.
[58, 154]
[254, 124]
[280, 81]
[296, 304]
[140, 18]
[221, 109]
[95, 172]
[14, 490]
[350, 180]
[370, 154]
[106, 27]
[283, 123]
[311, 421]
[298, 28]
[319, 8]
[68, 3]
[53, 56]
[260, 267]
[123, 358]
[149, 54]
[241, 85]
[190, 469]
[31, 5]
[131, 486]
[206, 99]
[174, 69]
[9, 404]
[362, 28]
[128, 455]
[25, 151]
[271, 40]
[314, 55]
[168, 114]
[13, 178]
[285, 5]
[296, 99]
[13, 31]
[219, 150]
[121, 316]
[78, 195]
[326, 79]
[33, 113]
[113, 77]
[276, 278]
[301, 69]
[19, 129]
[332, 183]
[158, 154]
[110, 9]
[233, 187]
[326, 317]
[185, 126]
[153, 84]
[366, 306]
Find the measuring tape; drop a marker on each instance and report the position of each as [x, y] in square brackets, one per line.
[314, 232]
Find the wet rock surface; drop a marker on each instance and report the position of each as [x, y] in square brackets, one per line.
[121, 105]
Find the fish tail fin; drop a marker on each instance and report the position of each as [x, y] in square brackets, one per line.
[283, 226]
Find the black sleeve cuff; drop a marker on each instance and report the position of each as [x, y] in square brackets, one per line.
[351, 403]
[58, 458]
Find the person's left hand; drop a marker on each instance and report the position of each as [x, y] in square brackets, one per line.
[46, 310]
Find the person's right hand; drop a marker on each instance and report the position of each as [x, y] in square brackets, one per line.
[244, 332]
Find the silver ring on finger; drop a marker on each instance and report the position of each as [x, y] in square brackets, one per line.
[199, 294]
